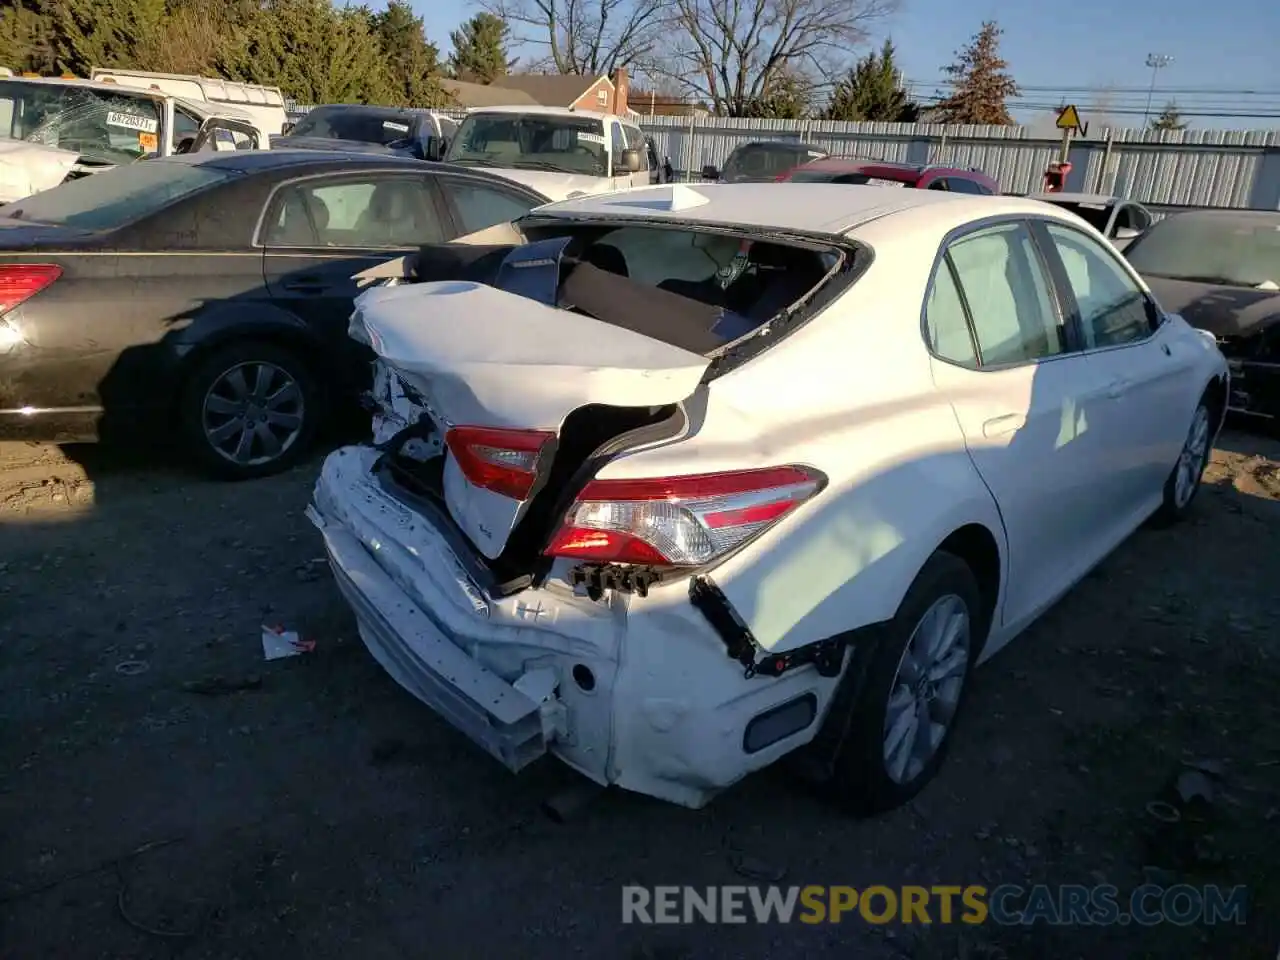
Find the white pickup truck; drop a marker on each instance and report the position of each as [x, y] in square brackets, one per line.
[53, 130]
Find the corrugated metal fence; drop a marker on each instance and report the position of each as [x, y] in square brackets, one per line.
[1170, 169]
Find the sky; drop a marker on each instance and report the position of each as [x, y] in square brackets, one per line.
[1224, 46]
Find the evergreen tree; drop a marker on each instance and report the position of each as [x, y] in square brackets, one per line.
[871, 91]
[980, 82]
[413, 61]
[480, 49]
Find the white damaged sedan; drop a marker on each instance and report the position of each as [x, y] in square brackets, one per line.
[675, 482]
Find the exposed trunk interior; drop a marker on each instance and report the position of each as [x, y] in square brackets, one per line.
[591, 435]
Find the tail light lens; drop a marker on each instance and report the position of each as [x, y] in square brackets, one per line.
[504, 461]
[680, 521]
[20, 282]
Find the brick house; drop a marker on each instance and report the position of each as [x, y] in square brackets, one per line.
[607, 94]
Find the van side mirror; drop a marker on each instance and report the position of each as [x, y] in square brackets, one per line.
[631, 161]
[287, 128]
[433, 149]
[710, 172]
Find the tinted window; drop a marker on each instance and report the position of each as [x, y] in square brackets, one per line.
[1113, 310]
[946, 322]
[762, 162]
[1094, 214]
[479, 207]
[354, 123]
[1235, 250]
[963, 185]
[372, 212]
[116, 197]
[939, 183]
[1008, 295]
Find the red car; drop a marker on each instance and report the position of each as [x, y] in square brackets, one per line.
[883, 173]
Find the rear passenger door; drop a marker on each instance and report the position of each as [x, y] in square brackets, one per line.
[1139, 365]
[1004, 358]
[318, 232]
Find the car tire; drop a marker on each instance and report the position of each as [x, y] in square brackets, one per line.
[868, 776]
[1183, 482]
[255, 393]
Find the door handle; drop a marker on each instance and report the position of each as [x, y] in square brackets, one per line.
[1000, 426]
[1118, 388]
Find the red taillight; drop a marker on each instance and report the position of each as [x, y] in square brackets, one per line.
[503, 461]
[679, 521]
[22, 281]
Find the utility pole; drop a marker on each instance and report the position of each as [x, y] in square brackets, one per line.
[1157, 62]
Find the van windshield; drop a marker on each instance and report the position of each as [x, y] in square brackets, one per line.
[532, 142]
[103, 127]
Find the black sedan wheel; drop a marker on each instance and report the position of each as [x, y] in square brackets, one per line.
[250, 410]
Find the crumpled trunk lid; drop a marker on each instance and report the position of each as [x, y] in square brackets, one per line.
[479, 356]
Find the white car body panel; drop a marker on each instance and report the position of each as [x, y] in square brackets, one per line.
[484, 357]
[1057, 460]
[28, 168]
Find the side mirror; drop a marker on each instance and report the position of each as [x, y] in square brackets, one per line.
[710, 172]
[433, 149]
[631, 161]
[287, 128]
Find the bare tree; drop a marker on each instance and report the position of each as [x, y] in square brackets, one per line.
[582, 36]
[731, 52]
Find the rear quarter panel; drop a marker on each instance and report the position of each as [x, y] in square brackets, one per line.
[849, 393]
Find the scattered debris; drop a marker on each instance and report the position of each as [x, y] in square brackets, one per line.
[277, 643]
[218, 686]
[131, 668]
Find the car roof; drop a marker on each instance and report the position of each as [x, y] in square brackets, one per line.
[850, 164]
[1102, 199]
[250, 161]
[821, 208]
[1244, 218]
[549, 112]
[791, 146]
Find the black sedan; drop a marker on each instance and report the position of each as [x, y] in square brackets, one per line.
[1220, 269]
[206, 296]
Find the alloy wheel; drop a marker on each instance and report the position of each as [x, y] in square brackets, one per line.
[1191, 463]
[926, 688]
[253, 413]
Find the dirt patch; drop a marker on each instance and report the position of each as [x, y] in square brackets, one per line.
[167, 793]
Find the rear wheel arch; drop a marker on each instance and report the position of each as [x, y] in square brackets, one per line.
[978, 548]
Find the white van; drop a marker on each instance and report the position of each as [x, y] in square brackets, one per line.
[561, 153]
[264, 104]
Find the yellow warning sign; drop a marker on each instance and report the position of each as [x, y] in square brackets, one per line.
[1069, 118]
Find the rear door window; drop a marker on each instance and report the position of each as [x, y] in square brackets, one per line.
[1007, 292]
[362, 213]
[965, 185]
[478, 206]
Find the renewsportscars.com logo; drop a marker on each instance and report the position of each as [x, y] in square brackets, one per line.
[1005, 905]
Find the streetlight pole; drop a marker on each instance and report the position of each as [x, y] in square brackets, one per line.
[1156, 61]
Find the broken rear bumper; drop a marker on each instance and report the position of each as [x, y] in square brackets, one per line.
[637, 692]
[508, 723]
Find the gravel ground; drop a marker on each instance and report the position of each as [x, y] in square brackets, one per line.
[320, 812]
